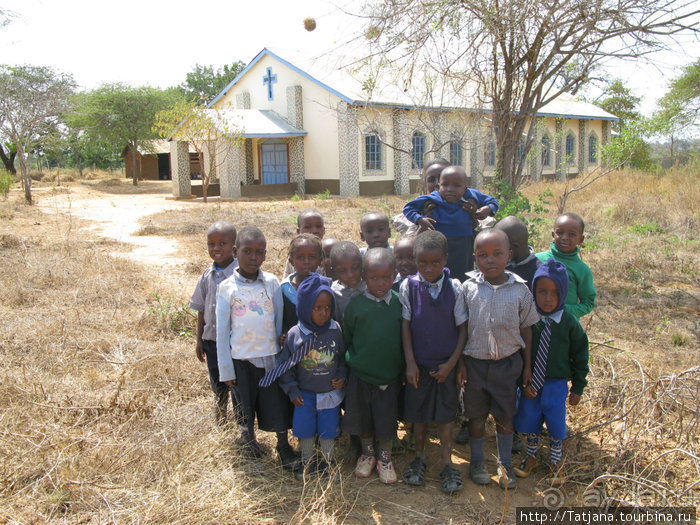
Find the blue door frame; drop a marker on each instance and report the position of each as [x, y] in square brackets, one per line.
[274, 162]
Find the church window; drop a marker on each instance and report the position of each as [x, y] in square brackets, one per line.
[373, 152]
[418, 151]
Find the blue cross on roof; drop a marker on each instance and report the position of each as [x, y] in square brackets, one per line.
[269, 79]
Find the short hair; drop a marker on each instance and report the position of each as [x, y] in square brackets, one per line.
[308, 212]
[490, 232]
[302, 238]
[574, 216]
[458, 170]
[439, 160]
[514, 228]
[373, 215]
[248, 233]
[405, 239]
[430, 240]
[224, 227]
[379, 256]
[344, 249]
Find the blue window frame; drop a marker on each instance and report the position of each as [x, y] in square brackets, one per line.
[545, 151]
[491, 154]
[570, 147]
[456, 152]
[418, 144]
[592, 149]
[373, 152]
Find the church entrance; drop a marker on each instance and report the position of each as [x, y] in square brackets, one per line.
[275, 164]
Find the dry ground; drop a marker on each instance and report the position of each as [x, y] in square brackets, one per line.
[106, 414]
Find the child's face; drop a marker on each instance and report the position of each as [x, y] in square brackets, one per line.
[430, 264]
[492, 253]
[327, 267]
[305, 259]
[312, 224]
[546, 294]
[431, 176]
[348, 270]
[405, 262]
[567, 234]
[518, 250]
[251, 255]
[321, 312]
[452, 185]
[375, 232]
[379, 276]
[220, 246]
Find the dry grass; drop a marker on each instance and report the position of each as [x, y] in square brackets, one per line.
[106, 415]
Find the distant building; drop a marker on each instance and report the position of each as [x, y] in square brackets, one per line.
[155, 164]
[317, 127]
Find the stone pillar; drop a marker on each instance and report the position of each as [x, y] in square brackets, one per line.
[295, 108]
[477, 158]
[249, 168]
[180, 167]
[243, 100]
[348, 149]
[560, 150]
[402, 160]
[296, 163]
[604, 139]
[231, 161]
[583, 129]
[210, 161]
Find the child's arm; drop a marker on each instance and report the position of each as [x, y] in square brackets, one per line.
[526, 334]
[278, 307]
[445, 368]
[412, 373]
[413, 212]
[199, 348]
[341, 372]
[223, 336]
[486, 205]
[578, 357]
[586, 296]
[288, 381]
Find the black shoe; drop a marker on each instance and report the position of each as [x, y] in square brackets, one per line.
[252, 450]
[288, 457]
[303, 471]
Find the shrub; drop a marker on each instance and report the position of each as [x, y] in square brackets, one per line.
[5, 184]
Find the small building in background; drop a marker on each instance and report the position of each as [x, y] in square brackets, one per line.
[155, 162]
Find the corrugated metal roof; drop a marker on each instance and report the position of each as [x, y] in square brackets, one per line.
[258, 123]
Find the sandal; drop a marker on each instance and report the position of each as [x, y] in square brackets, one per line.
[415, 473]
[451, 479]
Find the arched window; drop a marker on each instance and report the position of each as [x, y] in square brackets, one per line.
[592, 149]
[456, 152]
[373, 152]
[570, 147]
[545, 151]
[491, 154]
[418, 144]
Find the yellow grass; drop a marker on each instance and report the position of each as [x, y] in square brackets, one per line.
[106, 414]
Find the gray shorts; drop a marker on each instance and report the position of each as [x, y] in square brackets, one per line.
[431, 402]
[491, 387]
[369, 409]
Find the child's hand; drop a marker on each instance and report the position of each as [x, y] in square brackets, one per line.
[412, 375]
[530, 392]
[428, 209]
[426, 223]
[441, 372]
[461, 374]
[338, 383]
[574, 399]
[483, 212]
[199, 350]
[527, 376]
[469, 206]
[232, 382]
[282, 338]
[299, 401]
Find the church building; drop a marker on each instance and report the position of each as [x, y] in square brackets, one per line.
[312, 127]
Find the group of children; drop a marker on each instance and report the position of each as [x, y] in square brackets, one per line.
[403, 333]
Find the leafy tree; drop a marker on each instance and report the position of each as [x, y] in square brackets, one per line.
[619, 100]
[207, 130]
[513, 57]
[121, 116]
[203, 83]
[679, 108]
[32, 99]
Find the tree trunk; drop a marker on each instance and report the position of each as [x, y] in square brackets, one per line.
[24, 173]
[9, 159]
[134, 164]
[205, 176]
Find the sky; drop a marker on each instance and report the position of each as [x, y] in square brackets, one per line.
[156, 42]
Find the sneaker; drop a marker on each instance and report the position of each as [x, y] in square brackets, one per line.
[386, 472]
[526, 467]
[364, 466]
[507, 479]
[288, 458]
[462, 436]
[478, 473]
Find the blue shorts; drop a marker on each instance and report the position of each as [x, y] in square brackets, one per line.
[548, 407]
[308, 421]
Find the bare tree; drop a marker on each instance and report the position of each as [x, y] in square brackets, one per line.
[515, 57]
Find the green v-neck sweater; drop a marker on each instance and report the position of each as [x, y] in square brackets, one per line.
[581, 297]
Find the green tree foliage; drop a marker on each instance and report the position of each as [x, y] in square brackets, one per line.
[32, 100]
[118, 116]
[679, 109]
[203, 83]
[619, 100]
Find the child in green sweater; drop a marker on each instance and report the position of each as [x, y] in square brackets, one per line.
[372, 335]
[568, 236]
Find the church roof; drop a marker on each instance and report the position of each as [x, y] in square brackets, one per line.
[346, 81]
[259, 123]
